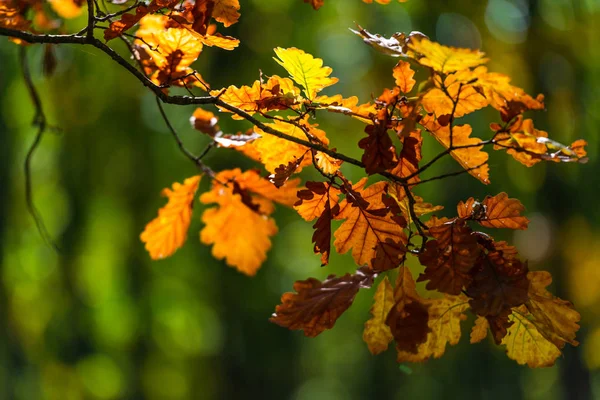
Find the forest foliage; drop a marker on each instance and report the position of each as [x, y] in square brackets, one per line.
[379, 219]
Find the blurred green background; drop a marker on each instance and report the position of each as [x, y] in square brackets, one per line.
[100, 320]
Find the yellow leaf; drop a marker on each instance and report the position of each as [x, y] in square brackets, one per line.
[66, 8]
[542, 326]
[167, 232]
[218, 40]
[471, 158]
[480, 329]
[526, 345]
[445, 315]
[305, 70]
[377, 334]
[442, 58]
[327, 164]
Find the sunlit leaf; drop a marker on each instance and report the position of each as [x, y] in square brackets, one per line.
[377, 334]
[168, 232]
[305, 70]
[465, 148]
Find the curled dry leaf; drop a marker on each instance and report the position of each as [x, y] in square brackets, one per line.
[317, 305]
[205, 122]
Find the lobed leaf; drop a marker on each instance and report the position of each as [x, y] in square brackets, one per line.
[305, 70]
[317, 305]
[168, 232]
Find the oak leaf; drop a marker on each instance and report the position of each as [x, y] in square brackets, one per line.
[465, 149]
[317, 305]
[449, 258]
[369, 223]
[495, 212]
[305, 70]
[379, 151]
[526, 345]
[238, 234]
[239, 228]
[168, 232]
[314, 199]
[403, 75]
[442, 58]
[453, 98]
[445, 315]
[377, 334]
[499, 283]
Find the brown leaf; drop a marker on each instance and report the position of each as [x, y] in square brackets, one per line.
[205, 122]
[499, 283]
[449, 258]
[495, 212]
[317, 305]
[380, 153]
[283, 172]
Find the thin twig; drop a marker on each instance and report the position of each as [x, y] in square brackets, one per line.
[39, 120]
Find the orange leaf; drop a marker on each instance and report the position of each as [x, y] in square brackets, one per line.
[372, 228]
[240, 227]
[480, 330]
[226, 11]
[314, 198]
[465, 148]
[317, 305]
[377, 334]
[495, 212]
[239, 235]
[205, 121]
[167, 232]
[404, 76]
[466, 97]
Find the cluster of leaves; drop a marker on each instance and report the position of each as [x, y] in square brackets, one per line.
[379, 223]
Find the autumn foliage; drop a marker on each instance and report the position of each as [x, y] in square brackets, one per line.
[379, 220]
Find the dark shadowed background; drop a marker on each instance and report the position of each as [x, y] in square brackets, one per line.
[100, 320]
